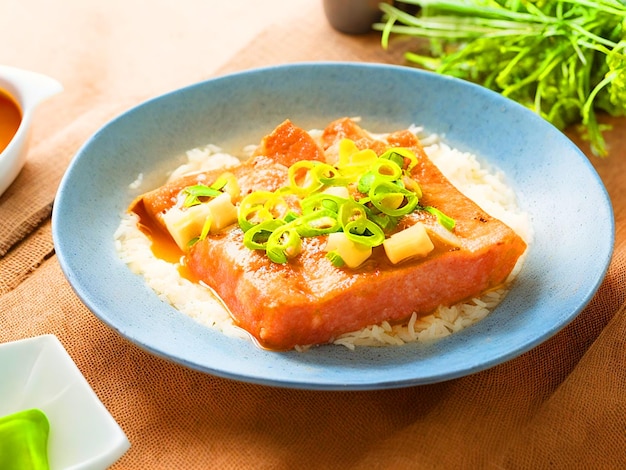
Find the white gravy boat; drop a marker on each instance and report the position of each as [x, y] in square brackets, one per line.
[28, 89]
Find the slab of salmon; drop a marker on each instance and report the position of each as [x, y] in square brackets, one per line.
[266, 169]
[308, 300]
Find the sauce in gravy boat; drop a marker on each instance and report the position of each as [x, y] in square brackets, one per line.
[21, 92]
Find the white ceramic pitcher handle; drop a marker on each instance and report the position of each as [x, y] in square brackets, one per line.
[29, 88]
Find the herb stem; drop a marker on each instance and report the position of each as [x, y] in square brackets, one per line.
[562, 58]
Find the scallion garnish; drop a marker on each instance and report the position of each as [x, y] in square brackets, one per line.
[194, 193]
[336, 259]
[260, 206]
[446, 221]
[283, 243]
[257, 236]
[365, 232]
[363, 196]
[391, 199]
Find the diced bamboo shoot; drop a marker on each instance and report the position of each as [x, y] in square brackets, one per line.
[223, 212]
[411, 242]
[186, 224]
[352, 253]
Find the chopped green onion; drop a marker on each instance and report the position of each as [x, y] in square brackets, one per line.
[206, 228]
[365, 182]
[320, 201]
[386, 169]
[260, 206]
[365, 232]
[401, 156]
[385, 221]
[351, 211]
[386, 192]
[412, 185]
[353, 161]
[194, 193]
[253, 216]
[302, 180]
[283, 243]
[257, 236]
[336, 260]
[290, 216]
[220, 183]
[329, 175]
[317, 223]
[446, 221]
[227, 183]
[391, 199]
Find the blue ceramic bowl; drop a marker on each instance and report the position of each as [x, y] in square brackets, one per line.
[555, 182]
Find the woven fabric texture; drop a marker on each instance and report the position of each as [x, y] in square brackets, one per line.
[561, 405]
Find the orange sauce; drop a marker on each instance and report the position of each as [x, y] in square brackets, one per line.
[10, 118]
[162, 244]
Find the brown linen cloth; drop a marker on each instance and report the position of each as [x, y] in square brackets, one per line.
[561, 405]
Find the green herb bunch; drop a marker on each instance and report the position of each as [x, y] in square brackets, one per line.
[564, 59]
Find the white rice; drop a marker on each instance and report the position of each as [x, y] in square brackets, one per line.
[485, 186]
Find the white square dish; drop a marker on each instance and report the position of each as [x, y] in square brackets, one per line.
[39, 373]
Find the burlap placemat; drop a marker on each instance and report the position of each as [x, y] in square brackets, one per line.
[561, 405]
